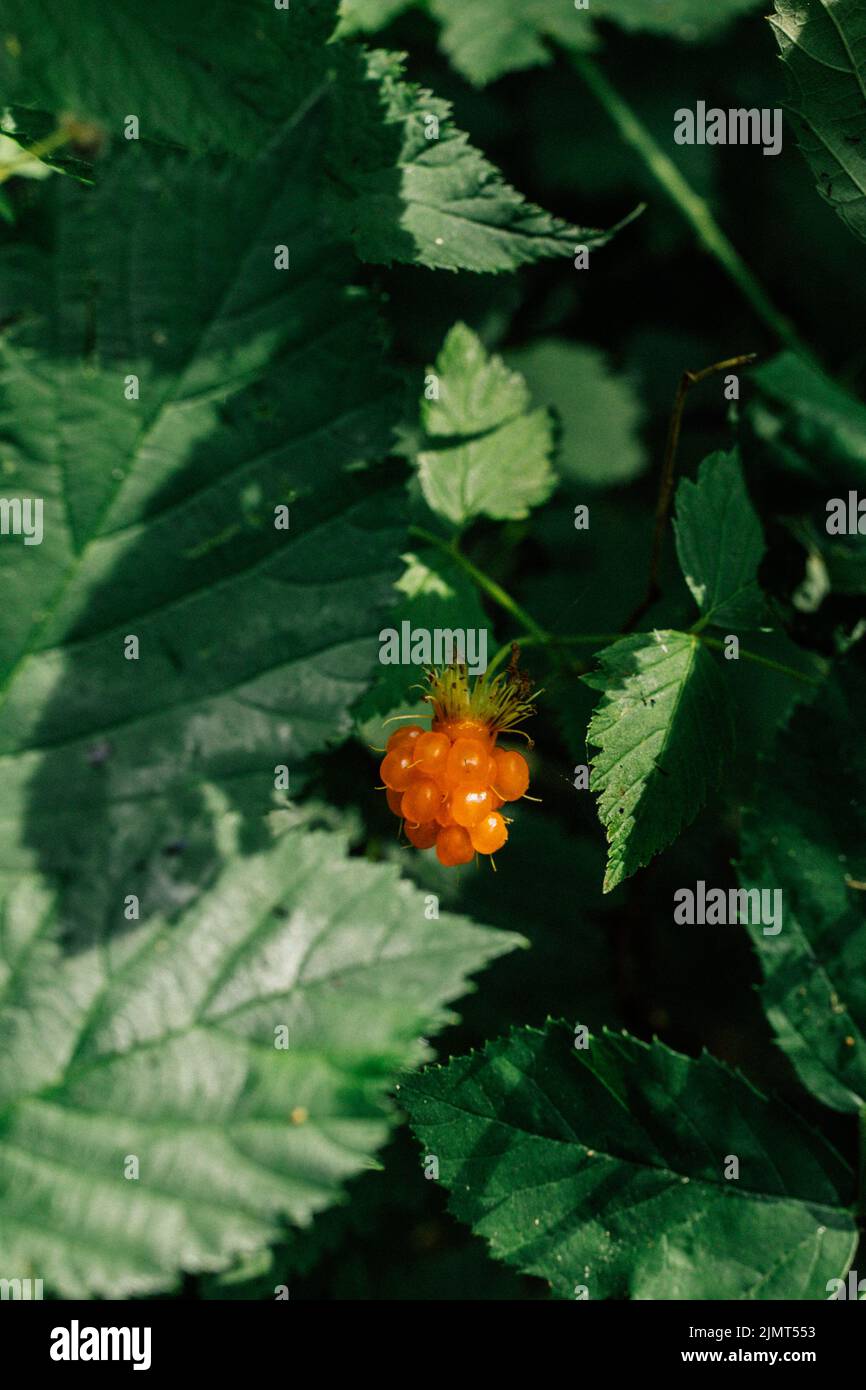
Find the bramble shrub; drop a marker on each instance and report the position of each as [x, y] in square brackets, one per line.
[433, 831]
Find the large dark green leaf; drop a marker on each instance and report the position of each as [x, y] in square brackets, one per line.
[823, 45]
[806, 836]
[240, 1056]
[225, 80]
[257, 388]
[604, 1169]
[234, 83]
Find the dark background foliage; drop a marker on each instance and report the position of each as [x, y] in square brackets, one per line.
[657, 304]
[652, 305]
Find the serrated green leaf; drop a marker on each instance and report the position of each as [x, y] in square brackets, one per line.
[166, 1047]
[720, 543]
[489, 452]
[485, 39]
[368, 1246]
[256, 390]
[475, 392]
[687, 20]
[412, 188]
[823, 47]
[233, 84]
[663, 734]
[806, 835]
[367, 16]
[600, 411]
[603, 1169]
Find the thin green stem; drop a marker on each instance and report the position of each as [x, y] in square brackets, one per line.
[484, 582]
[602, 639]
[694, 209]
[534, 635]
[552, 639]
[668, 478]
[527, 640]
[584, 639]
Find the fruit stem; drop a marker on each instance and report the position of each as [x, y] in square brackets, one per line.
[583, 639]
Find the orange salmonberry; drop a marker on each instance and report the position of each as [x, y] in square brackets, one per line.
[423, 836]
[431, 753]
[409, 733]
[468, 760]
[469, 803]
[453, 846]
[395, 768]
[511, 774]
[443, 815]
[395, 801]
[489, 834]
[447, 783]
[421, 800]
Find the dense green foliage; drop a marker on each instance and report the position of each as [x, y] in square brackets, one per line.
[318, 320]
